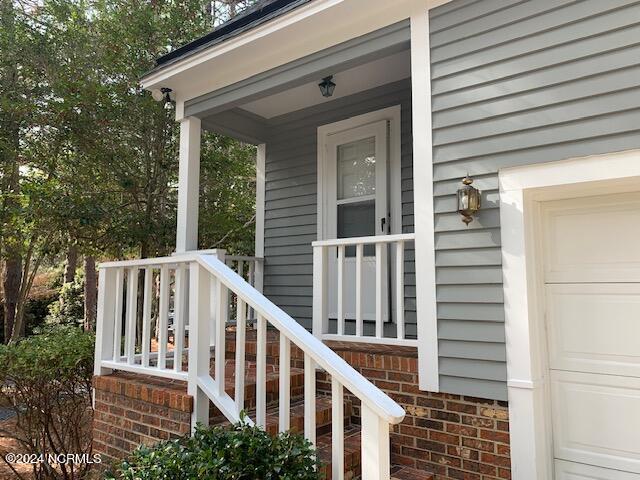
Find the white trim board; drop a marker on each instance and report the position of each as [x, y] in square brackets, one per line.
[521, 191]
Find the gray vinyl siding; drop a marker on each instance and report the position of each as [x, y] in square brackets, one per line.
[290, 198]
[515, 83]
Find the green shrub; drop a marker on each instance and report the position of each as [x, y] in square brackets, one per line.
[46, 380]
[239, 452]
[69, 310]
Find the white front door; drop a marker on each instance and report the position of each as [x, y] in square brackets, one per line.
[592, 304]
[357, 206]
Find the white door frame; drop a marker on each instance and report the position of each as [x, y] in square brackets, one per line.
[521, 191]
[392, 114]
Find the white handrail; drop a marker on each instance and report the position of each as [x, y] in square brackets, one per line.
[326, 358]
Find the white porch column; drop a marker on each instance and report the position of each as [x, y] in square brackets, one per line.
[261, 156]
[426, 308]
[188, 185]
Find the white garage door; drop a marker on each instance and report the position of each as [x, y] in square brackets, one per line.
[592, 293]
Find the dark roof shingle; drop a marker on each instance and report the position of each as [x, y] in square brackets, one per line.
[256, 15]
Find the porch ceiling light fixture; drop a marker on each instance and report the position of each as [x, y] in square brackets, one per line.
[327, 86]
[468, 200]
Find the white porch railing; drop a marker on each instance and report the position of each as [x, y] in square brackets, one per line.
[117, 348]
[386, 246]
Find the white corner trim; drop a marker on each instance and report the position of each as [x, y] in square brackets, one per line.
[425, 261]
[521, 191]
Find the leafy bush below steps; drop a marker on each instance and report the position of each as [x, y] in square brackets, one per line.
[46, 380]
[240, 452]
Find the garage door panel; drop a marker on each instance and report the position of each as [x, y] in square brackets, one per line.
[596, 419]
[587, 239]
[578, 471]
[594, 328]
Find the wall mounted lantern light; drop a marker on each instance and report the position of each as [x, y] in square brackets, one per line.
[327, 86]
[163, 94]
[468, 200]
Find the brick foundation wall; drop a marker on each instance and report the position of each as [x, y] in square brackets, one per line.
[455, 437]
[132, 409]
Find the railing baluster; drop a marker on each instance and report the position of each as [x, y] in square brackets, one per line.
[340, 290]
[261, 372]
[241, 268]
[252, 281]
[222, 312]
[163, 317]
[252, 273]
[146, 315]
[337, 430]
[132, 315]
[180, 307]
[213, 309]
[359, 255]
[241, 329]
[375, 445]
[285, 383]
[320, 297]
[379, 293]
[400, 289]
[117, 327]
[309, 399]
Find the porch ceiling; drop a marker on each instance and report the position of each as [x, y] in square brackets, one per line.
[361, 62]
[248, 118]
[357, 79]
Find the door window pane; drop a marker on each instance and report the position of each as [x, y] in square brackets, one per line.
[357, 168]
[357, 220]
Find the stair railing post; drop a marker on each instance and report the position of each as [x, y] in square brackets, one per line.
[376, 456]
[199, 334]
[105, 320]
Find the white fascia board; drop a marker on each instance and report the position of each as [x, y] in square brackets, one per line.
[314, 27]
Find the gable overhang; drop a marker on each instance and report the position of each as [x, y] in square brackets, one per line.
[316, 27]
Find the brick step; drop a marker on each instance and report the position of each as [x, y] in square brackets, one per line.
[352, 453]
[272, 383]
[352, 458]
[408, 473]
[273, 347]
[323, 416]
